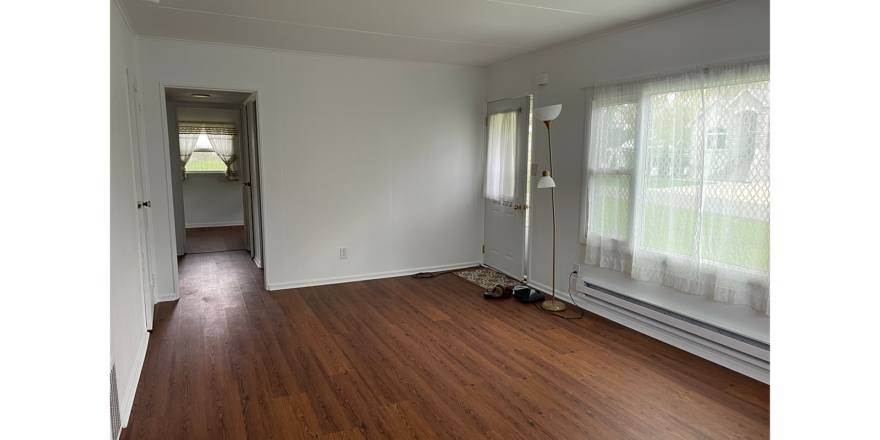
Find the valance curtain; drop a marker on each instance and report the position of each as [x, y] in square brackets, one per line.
[501, 157]
[679, 181]
[221, 138]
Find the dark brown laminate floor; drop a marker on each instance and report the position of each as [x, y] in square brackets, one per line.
[221, 238]
[404, 358]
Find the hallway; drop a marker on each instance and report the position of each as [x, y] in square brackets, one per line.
[224, 238]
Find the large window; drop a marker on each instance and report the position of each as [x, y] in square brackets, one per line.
[678, 181]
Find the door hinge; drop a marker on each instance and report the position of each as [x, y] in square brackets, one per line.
[484, 248]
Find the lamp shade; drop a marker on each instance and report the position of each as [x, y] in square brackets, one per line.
[548, 113]
[546, 181]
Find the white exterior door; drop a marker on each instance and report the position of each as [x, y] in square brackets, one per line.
[504, 228]
[143, 201]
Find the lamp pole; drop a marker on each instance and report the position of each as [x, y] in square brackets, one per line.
[552, 305]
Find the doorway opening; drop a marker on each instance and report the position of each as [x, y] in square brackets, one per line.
[215, 184]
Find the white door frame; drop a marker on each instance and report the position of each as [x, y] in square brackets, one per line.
[166, 148]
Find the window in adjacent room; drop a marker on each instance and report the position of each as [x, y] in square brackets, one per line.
[204, 158]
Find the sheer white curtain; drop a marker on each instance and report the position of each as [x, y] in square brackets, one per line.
[501, 157]
[679, 181]
[188, 135]
[221, 138]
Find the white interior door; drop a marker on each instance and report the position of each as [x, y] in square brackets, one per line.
[244, 162]
[504, 224]
[256, 190]
[143, 201]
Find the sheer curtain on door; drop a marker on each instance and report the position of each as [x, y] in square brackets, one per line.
[679, 181]
[500, 182]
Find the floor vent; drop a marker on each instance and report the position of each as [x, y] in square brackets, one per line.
[115, 420]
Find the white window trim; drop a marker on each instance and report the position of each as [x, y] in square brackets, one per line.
[206, 172]
[585, 178]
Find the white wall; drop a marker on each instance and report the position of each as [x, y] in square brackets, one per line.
[381, 157]
[210, 199]
[127, 328]
[730, 31]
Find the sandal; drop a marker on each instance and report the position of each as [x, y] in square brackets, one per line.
[498, 292]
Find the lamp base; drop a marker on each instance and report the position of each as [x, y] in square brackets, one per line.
[553, 306]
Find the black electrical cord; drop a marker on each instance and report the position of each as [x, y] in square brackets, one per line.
[572, 301]
[426, 275]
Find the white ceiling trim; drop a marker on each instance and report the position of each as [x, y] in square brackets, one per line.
[339, 29]
[302, 52]
[624, 27]
[568, 11]
[125, 17]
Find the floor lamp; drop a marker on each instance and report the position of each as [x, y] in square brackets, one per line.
[548, 114]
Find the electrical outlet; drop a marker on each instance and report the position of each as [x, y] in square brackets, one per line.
[577, 269]
[343, 253]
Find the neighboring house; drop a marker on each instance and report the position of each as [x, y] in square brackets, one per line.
[737, 145]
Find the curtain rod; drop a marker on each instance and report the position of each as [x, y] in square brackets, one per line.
[705, 68]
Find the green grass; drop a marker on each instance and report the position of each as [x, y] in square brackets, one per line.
[731, 240]
[205, 161]
[666, 182]
[614, 211]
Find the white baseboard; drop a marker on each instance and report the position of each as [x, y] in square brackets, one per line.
[131, 389]
[213, 224]
[706, 349]
[369, 276]
[166, 297]
[258, 262]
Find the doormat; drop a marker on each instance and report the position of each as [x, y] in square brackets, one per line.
[487, 278]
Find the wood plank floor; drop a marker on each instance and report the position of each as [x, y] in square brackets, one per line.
[403, 358]
[221, 238]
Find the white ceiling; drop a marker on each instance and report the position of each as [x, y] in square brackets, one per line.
[215, 96]
[466, 32]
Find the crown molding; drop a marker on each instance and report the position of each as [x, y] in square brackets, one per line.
[126, 18]
[616, 29]
[314, 54]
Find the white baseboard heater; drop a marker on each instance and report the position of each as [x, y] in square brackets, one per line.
[758, 350]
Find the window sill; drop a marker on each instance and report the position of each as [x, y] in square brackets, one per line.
[189, 173]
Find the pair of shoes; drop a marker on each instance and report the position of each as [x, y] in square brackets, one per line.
[527, 294]
[498, 292]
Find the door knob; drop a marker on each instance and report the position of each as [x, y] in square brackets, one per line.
[517, 207]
